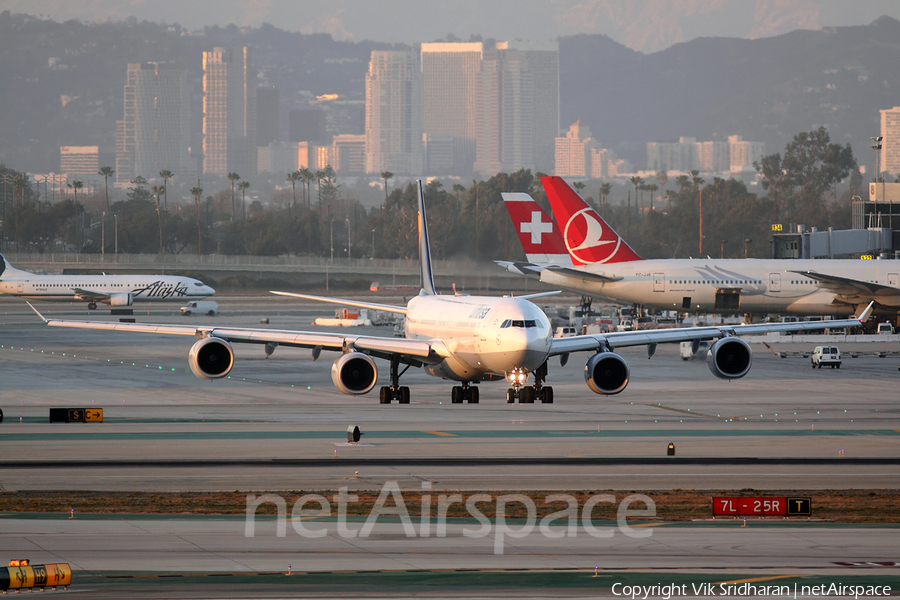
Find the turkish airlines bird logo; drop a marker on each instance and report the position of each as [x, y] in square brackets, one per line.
[584, 235]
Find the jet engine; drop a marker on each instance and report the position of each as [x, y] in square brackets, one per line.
[211, 358]
[606, 373]
[120, 300]
[354, 373]
[729, 358]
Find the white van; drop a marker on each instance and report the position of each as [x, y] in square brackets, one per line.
[829, 356]
[201, 307]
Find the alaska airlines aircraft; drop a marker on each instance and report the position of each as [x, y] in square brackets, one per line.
[605, 265]
[461, 338]
[113, 290]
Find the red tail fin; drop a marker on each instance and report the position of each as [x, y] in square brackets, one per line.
[587, 236]
[539, 235]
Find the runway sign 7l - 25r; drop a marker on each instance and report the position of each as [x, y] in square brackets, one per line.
[742, 506]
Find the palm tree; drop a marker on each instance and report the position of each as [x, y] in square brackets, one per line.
[166, 176]
[578, 185]
[662, 178]
[197, 192]
[107, 172]
[233, 177]
[698, 181]
[308, 177]
[75, 185]
[159, 190]
[243, 187]
[293, 177]
[637, 182]
[605, 189]
[386, 175]
[458, 187]
[652, 188]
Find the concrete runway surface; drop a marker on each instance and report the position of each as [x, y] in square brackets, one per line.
[277, 422]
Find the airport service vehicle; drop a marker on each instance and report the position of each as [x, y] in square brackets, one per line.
[625, 325]
[112, 290]
[830, 356]
[603, 264]
[209, 308]
[461, 338]
[564, 331]
[885, 329]
[691, 350]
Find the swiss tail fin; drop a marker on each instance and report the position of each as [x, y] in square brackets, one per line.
[424, 248]
[588, 238]
[539, 234]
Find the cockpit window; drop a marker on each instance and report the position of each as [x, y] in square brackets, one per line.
[530, 324]
[505, 324]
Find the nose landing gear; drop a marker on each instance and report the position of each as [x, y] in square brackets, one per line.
[526, 394]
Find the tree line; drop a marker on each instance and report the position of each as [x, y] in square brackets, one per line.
[683, 216]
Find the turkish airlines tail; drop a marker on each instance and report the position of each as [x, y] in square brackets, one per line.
[539, 235]
[588, 238]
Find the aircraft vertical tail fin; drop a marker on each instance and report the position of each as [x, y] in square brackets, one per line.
[588, 238]
[7, 269]
[424, 248]
[538, 233]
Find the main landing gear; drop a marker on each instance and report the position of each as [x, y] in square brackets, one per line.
[92, 306]
[395, 391]
[526, 394]
[464, 393]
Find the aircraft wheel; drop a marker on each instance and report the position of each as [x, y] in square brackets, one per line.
[527, 395]
[813, 365]
[839, 366]
[820, 365]
[473, 395]
[548, 395]
[384, 396]
[92, 306]
[456, 394]
[510, 396]
[404, 395]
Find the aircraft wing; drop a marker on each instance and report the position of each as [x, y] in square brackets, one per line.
[560, 272]
[90, 295]
[409, 351]
[581, 343]
[400, 310]
[849, 288]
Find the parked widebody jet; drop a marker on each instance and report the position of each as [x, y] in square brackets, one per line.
[112, 290]
[603, 264]
[461, 338]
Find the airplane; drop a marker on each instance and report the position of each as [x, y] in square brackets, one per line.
[112, 290]
[461, 338]
[603, 264]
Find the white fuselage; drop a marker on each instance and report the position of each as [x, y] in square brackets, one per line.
[484, 335]
[143, 288]
[734, 285]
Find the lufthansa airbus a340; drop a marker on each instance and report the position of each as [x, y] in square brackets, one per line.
[461, 338]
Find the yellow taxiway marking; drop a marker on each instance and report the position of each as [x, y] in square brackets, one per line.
[759, 579]
[443, 433]
[688, 412]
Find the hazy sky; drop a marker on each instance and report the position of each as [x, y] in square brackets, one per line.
[646, 25]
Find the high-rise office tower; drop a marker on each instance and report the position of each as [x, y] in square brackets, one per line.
[573, 152]
[394, 113]
[518, 107]
[268, 115]
[450, 73]
[890, 142]
[307, 125]
[155, 133]
[229, 112]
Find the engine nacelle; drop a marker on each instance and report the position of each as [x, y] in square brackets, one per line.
[120, 300]
[606, 373]
[729, 358]
[354, 373]
[211, 358]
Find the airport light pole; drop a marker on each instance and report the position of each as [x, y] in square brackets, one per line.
[373, 243]
[746, 241]
[349, 240]
[876, 147]
[117, 237]
[722, 248]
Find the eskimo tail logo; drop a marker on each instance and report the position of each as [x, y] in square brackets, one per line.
[584, 238]
[161, 289]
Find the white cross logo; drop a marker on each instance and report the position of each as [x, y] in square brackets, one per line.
[536, 227]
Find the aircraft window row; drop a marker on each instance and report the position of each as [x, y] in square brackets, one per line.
[717, 281]
[522, 324]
